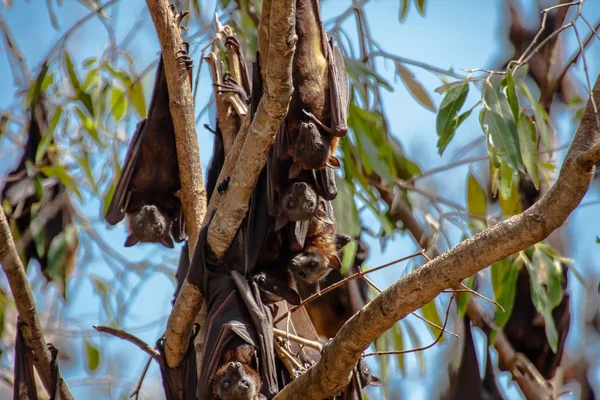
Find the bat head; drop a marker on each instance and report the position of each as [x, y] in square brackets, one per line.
[274, 289]
[149, 225]
[365, 375]
[311, 150]
[312, 266]
[236, 381]
[300, 202]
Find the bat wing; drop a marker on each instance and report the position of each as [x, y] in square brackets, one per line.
[297, 234]
[262, 318]
[178, 228]
[258, 223]
[24, 379]
[118, 204]
[325, 183]
[338, 91]
[182, 269]
[273, 183]
[182, 380]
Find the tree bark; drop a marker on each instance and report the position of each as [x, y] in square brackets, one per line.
[332, 372]
[25, 303]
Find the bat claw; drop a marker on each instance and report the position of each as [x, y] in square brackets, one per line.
[233, 42]
[222, 187]
[318, 122]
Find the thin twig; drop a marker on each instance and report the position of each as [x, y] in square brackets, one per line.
[439, 337]
[310, 343]
[343, 282]
[138, 387]
[121, 334]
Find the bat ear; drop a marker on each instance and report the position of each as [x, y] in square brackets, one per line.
[322, 215]
[295, 170]
[167, 242]
[333, 162]
[335, 262]
[341, 240]
[375, 381]
[291, 296]
[131, 240]
[280, 221]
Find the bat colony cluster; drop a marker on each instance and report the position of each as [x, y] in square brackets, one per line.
[289, 236]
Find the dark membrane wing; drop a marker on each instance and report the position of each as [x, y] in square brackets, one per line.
[325, 183]
[338, 91]
[117, 207]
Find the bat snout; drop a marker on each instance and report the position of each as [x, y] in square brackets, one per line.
[300, 187]
[149, 209]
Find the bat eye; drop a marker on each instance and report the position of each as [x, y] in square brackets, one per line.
[292, 204]
[310, 204]
[140, 225]
[225, 384]
[244, 383]
[302, 274]
[313, 264]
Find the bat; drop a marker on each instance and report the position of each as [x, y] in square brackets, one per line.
[24, 379]
[237, 378]
[275, 283]
[330, 311]
[235, 317]
[147, 188]
[320, 252]
[54, 205]
[319, 107]
[179, 383]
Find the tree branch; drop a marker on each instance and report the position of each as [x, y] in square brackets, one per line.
[25, 302]
[121, 334]
[192, 193]
[411, 292]
[271, 110]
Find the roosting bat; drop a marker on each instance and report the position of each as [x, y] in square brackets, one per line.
[236, 318]
[55, 206]
[24, 379]
[320, 252]
[147, 186]
[237, 378]
[319, 106]
[330, 311]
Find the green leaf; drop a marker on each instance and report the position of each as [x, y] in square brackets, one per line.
[511, 204]
[502, 127]
[118, 104]
[48, 135]
[86, 99]
[399, 343]
[88, 124]
[541, 301]
[36, 88]
[528, 143]
[371, 156]
[71, 72]
[349, 253]
[414, 87]
[476, 198]
[447, 118]
[504, 282]
[420, 6]
[430, 313]
[511, 94]
[60, 172]
[136, 96]
[444, 88]
[92, 355]
[540, 115]
[84, 163]
[403, 10]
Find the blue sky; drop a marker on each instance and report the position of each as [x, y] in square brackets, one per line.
[460, 34]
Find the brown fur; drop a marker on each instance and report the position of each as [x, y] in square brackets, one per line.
[311, 82]
[242, 354]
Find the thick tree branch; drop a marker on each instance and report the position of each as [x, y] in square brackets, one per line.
[261, 135]
[31, 328]
[192, 193]
[413, 291]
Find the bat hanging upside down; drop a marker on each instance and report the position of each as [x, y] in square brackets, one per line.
[147, 188]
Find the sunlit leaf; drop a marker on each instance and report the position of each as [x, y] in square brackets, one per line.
[92, 355]
[430, 313]
[511, 95]
[357, 69]
[540, 115]
[403, 10]
[502, 127]
[504, 282]
[88, 124]
[349, 253]
[136, 96]
[452, 85]
[71, 72]
[476, 198]
[414, 87]
[118, 104]
[447, 118]
[528, 145]
[420, 6]
[511, 204]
